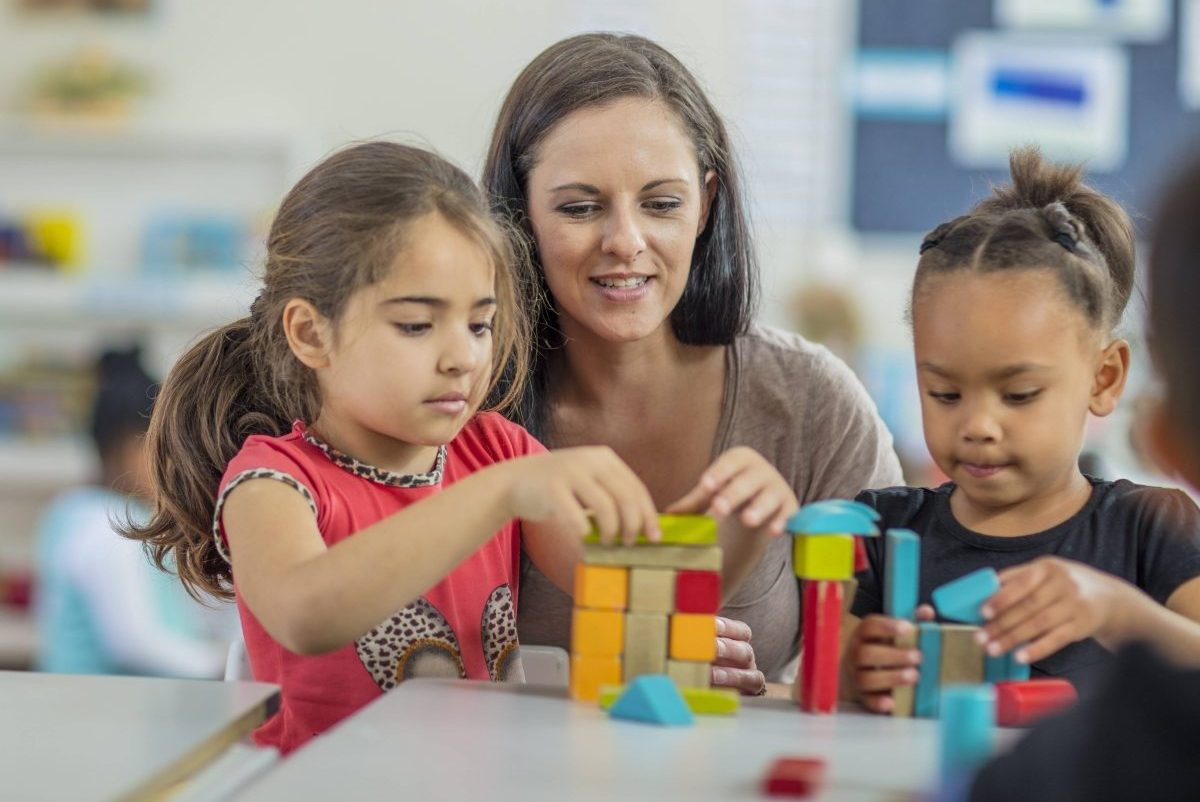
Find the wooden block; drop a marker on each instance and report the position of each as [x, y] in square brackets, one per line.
[597, 633]
[651, 590]
[589, 673]
[1022, 703]
[962, 657]
[904, 696]
[679, 530]
[712, 701]
[601, 587]
[823, 556]
[927, 696]
[1004, 668]
[819, 657]
[968, 727]
[645, 645]
[794, 776]
[693, 637]
[689, 673]
[961, 599]
[902, 568]
[698, 558]
[697, 592]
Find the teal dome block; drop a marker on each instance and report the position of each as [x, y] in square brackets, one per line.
[833, 518]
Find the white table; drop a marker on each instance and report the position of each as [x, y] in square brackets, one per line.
[434, 739]
[75, 737]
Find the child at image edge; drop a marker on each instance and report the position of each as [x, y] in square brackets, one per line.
[1013, 310]
[291, 448]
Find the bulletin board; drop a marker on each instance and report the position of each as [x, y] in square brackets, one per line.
[904, 177]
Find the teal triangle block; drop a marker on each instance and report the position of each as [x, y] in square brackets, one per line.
[654, 699]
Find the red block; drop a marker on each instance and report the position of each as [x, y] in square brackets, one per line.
[794, 776]
[821, 645]
[697, 592]
[860, 556]
[1022, 702]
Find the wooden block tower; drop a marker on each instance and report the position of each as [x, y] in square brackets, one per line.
[823, 556]
[649, 608]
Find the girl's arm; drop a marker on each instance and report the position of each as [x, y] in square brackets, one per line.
[1049, 603]
[313, 599]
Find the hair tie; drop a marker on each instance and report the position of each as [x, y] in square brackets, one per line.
[1064, 227]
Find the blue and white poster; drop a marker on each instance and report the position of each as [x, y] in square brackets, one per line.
[1125, 20]
[1069, 97]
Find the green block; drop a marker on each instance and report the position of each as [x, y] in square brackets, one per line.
[701, 701]
[677, 530]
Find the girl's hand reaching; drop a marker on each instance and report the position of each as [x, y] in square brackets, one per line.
[565, 487]
[1049, 603]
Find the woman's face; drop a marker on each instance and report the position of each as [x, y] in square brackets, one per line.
[616, 202]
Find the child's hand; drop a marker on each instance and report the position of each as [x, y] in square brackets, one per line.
[568, 485]
[1046, 605]
[874, 665]
[742, 480]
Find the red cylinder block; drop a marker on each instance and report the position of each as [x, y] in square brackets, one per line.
[1022, 702]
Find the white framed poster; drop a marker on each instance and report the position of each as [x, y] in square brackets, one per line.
[1069, 97]
[1127, 20]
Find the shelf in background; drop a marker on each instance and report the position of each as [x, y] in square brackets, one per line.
[30, 297]
[28, 464]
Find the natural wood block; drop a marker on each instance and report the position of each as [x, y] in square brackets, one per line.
[904, 696]
[699, 558]
[823, 556]
[589, 673]
[645, 644]
[697, 592]
[601, 587]
[962, 657]
[690, 673]
[651, 590]
[693, 637]
[597, 633]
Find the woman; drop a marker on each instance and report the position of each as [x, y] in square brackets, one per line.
[617, 171]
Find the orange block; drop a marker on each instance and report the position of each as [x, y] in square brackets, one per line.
[601, 587]
[693, 637]
[597, 633]
[589, 673]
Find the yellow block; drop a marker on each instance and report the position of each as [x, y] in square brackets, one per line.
[823, 556]
[693, 637]
[652, 590]
[589, 673]
[597, 633]
[678, 530]
[601, 587]
[701, 701]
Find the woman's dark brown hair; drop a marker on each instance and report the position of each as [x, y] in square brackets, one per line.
[1046, 219]
[338, 230]
[595, 69]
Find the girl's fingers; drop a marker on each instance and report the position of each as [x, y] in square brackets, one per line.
[879, 655]
[697, 500]
[1015, 584]
[873, 680]
[925, 612]
[604, 511]
[1053, 641]
[1047, 619]
[878, 702]
[1022, 610]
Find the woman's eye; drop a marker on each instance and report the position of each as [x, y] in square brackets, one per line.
[483, 328]
[578, 209]
[943, 398]
[663, 204]
[413, 329]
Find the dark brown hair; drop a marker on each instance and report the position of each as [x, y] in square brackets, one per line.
[338, 230]
[1046, 219]
[1173, 324]
[592, 70]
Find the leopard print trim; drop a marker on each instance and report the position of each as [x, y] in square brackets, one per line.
[499, 629]
[379, 475]
[416, 641]
[245, 476]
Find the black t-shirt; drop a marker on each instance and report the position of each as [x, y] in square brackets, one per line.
[1148, 536]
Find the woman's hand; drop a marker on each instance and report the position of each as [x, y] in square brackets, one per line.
[569, 485]
[735, 667]
[1049, 603]
[741, 482]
